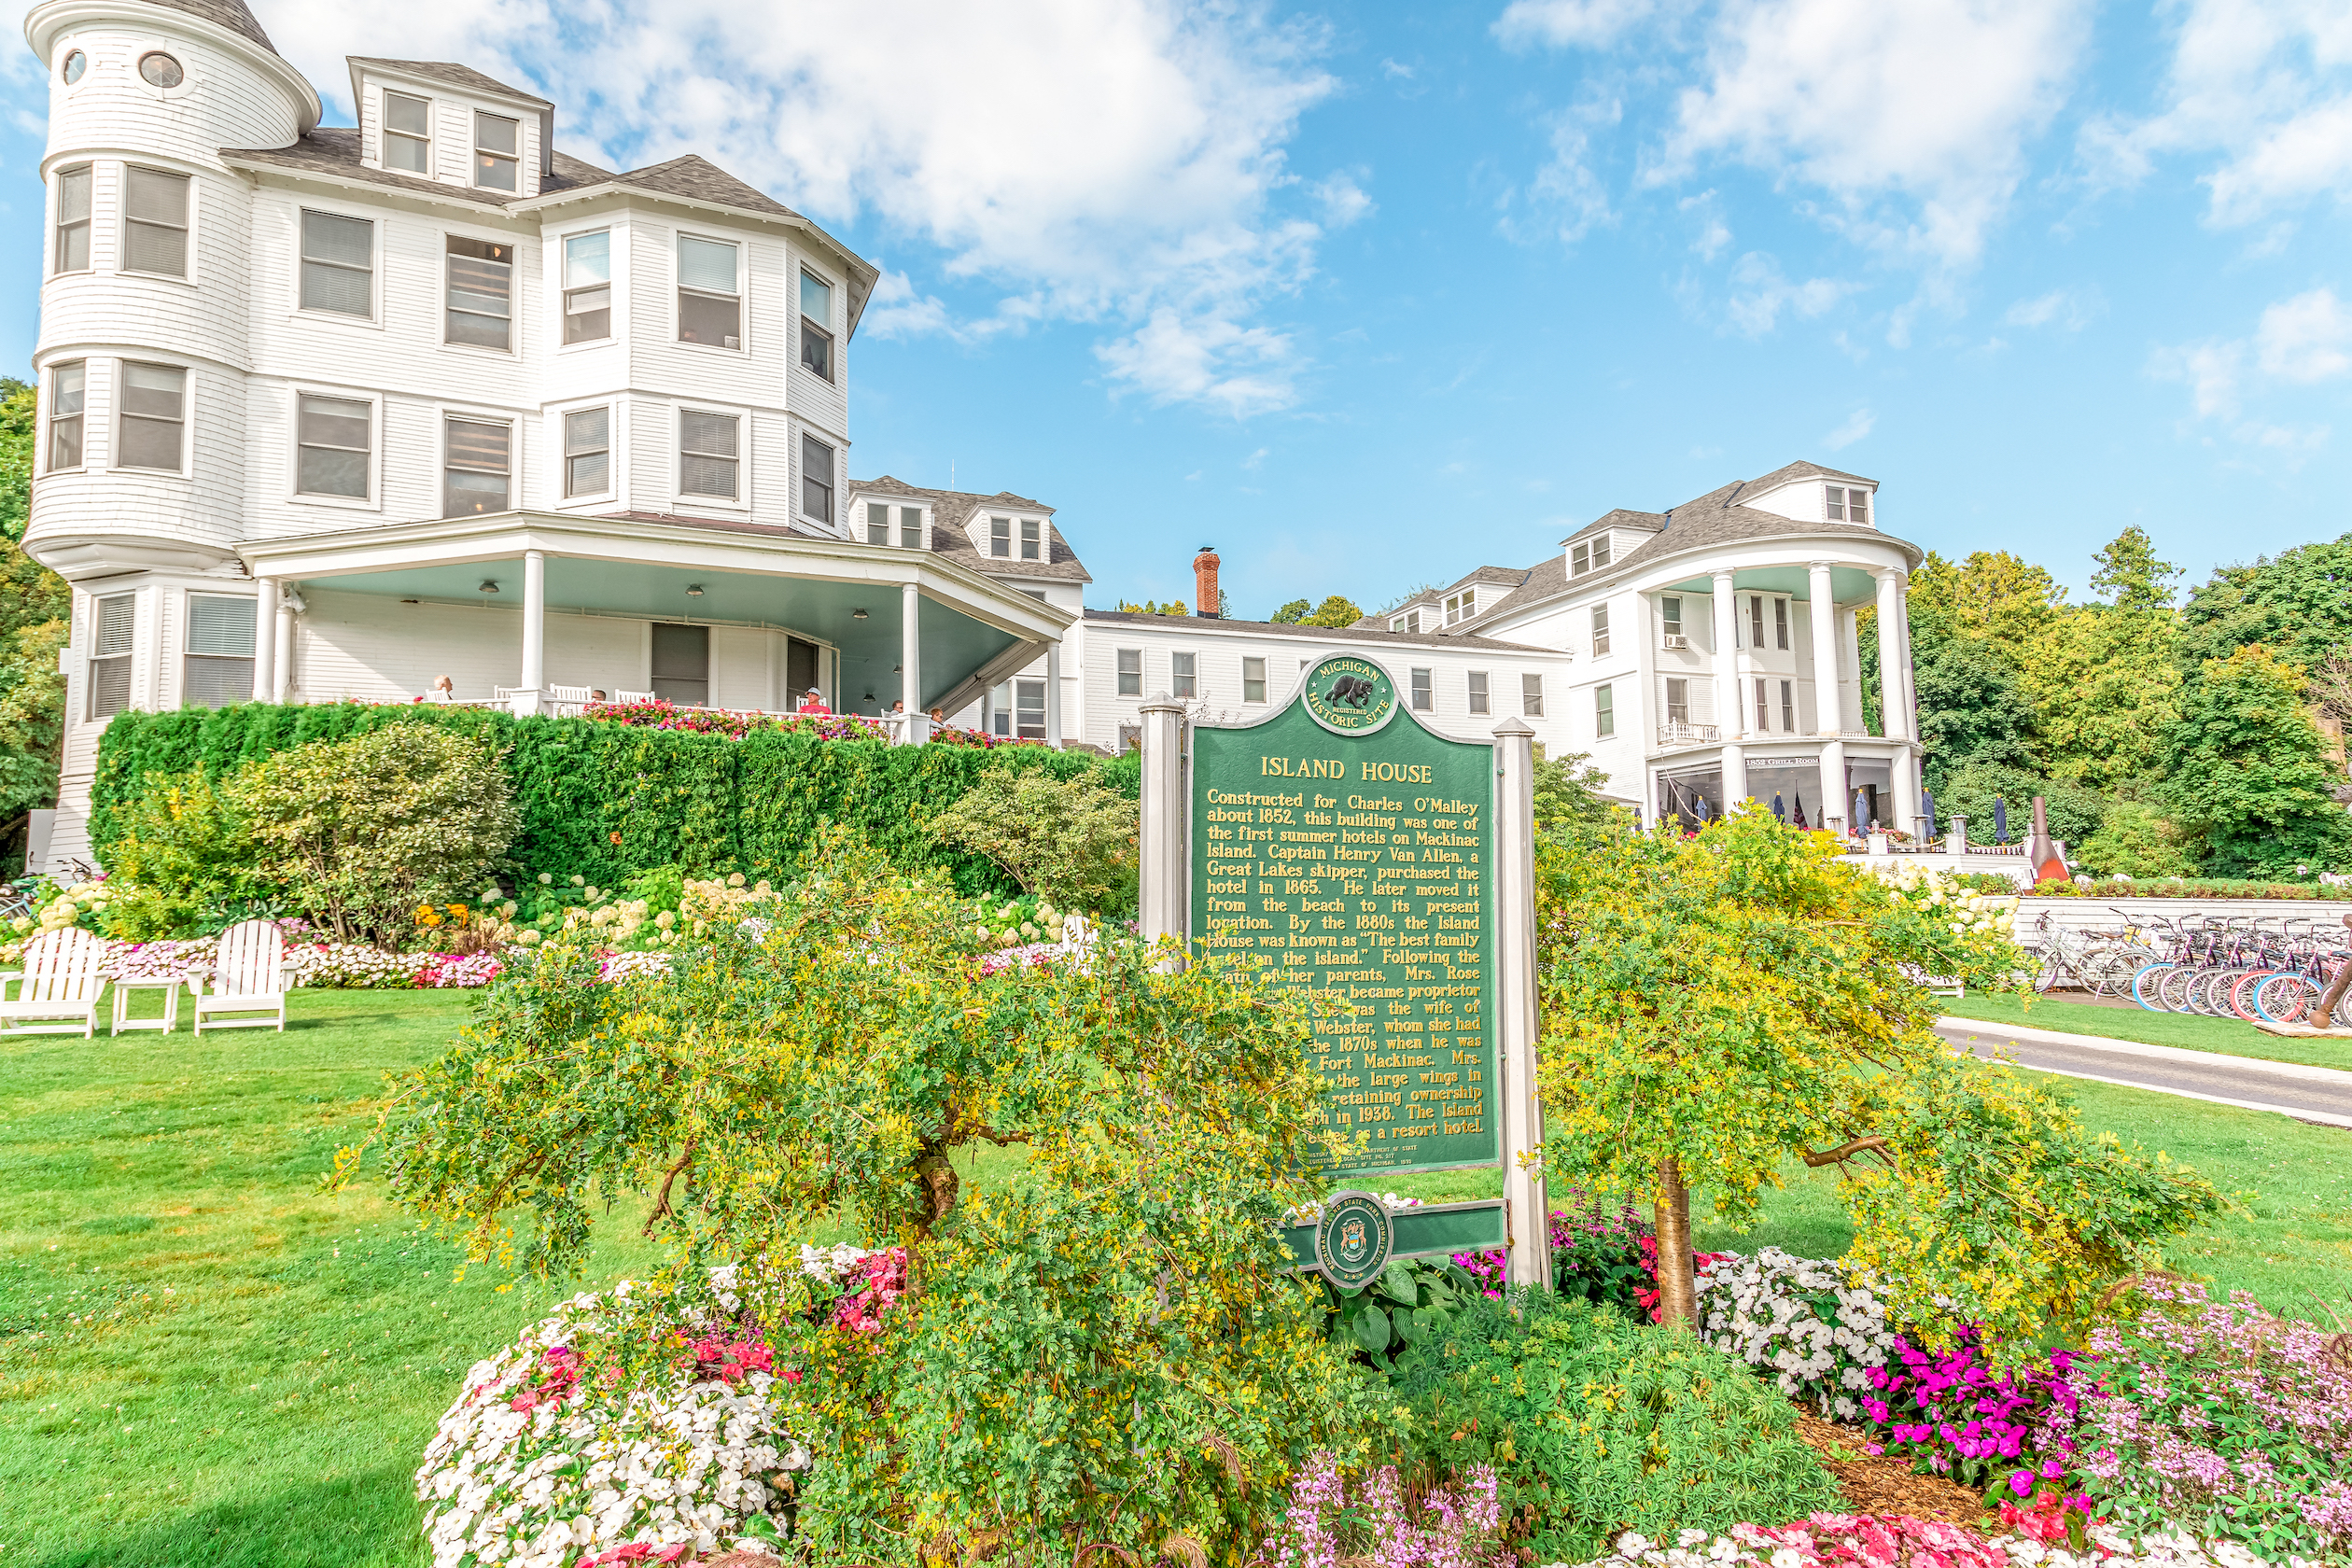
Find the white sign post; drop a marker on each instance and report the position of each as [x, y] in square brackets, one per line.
[1526, 1206]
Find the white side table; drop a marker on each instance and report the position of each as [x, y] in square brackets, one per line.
[123, 1021]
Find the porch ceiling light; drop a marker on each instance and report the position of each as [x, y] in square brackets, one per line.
[488, 586]
[693, 589]
[857, 615]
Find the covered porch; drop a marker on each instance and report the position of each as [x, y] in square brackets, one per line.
[541, 614]
[1849, 785]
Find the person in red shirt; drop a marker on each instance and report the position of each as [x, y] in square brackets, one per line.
[814, 703]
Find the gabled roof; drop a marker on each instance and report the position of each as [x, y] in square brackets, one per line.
[1647, 522]
[230, 14]
[456, 76]
[951, 514]
[698, 179]
[334, 150]
[1315, 634]
[1781, 476]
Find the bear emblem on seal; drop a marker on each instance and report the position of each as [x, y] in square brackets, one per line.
[1350, 690]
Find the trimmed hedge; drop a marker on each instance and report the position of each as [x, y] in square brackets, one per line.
[606, 800]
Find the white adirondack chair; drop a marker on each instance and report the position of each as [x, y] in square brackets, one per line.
[248, 978]
[60, 983]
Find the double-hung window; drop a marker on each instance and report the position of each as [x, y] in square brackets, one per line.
[709, 292]
[1458, 607]
[481, 293]
[497, 151]
[1780, 625]
[1677, 700]
[1028, 710]
[1001, 537]
[155, 222]
[588, 287]
[217, 668]
[1131, 672]
[709, 449]
[1532, 695]
[1599, 630]
[817, 479]
[1033, 539]
[911, 527]
[1848, 506]
[588, 451]
[332, 446]
[338, 264]
[1409, 622]
[1478, 690]
[816, 333]
[111, 623]
[66, 383]
[408, 134]
[477, 463]
[1184, 674]
[1788, 706]
[878, 522]
[1763, 708]
[154, 417]
[1424, 696]
[1590, 556]
[1756, 622]
[1603, 712]
[1669, 614]
[1253, 680]
[72, 221]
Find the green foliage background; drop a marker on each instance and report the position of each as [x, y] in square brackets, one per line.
[606, 801]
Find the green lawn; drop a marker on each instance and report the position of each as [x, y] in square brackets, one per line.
[2228, 1037]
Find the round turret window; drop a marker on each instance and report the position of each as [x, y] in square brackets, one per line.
[76, 64]
[161, 70]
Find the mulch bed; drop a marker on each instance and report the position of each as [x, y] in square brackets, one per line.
[1876, 1484]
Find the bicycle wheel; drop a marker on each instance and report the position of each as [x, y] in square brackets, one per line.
[2285, 998]
[2172, 991]
[2210, 995]
[2109, 971]
[2242, 989]
[2146, 985]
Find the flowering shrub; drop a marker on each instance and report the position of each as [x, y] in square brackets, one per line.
[660, 714]
[1374, 1523]
[1899, 1541]
[626, 966]
[55, 906]
[1810, 1326]
[1986, 1426]
[459, 970]
[950, 734]
[625, 1418]
[351, 966]
[161, 960]
[2217, 1416]
[1598, 1254]
[1649, 1297]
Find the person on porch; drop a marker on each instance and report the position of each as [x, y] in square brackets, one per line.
[445, 690]
[813, 702]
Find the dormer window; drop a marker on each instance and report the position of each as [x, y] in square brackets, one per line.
[1460, 607]
[498, 152]
[1000, 538]
[1849, 505]
[1033, 539]
[408, 134]
[910, 525]
[1408, 622]
[1590, 557]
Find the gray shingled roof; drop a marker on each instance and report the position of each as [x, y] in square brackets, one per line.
[698, 179]
[230, 14]
[456, 76]
[1317, 633]
[1800, 469]
[1648, 522]
[951, 514]
[335, 150]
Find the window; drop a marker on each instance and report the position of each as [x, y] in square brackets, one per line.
[332, 446]
[1755, 620]
[161, 70]
[1780, 625]
[217, 668]
[73, 219]
[1460, 607]
[154, 416]
[408, 134]
[477, 459]
[1763, 708]
[1579, 559]
[1532, 695]
[1001, 537]
[1253, 680]
[911, 527]
[1600, 552]
[1131, 672]
[1669, 614]
[1028, 710]
[1184, 674]
[1849, 506]
[1000, 710]
[1599, 630]
[588, 287]
[481, 293]
[77, 64]
[1409, 622]
[1032, 543]
[1603, 712]
[588, 451]
[708, 454]
[65, 416]
[709, 304]
[878, 522]
[1788, 706]
[815, 320]
[1423, 699]
[1478, 691]
[110, 626]
[155, 222]
[817, 479]
[497, 146]
[338, 264]
[1677, 700]
[679, 669]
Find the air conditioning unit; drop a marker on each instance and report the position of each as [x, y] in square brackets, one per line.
[1675, 640]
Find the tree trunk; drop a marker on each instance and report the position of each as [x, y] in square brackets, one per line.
[1677, 1281]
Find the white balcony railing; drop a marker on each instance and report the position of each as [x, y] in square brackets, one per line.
[1681, 732]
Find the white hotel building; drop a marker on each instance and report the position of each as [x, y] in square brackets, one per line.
[331, 413]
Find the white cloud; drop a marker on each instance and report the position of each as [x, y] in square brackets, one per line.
[2058, 308]
[1857, 424]
[1343, 201]
[1567, 198]
[1759, 292]
[2266, 85]
[1396, 71]
[1118, 161]
[1913, 117]
[1715, 237]
[895, 310]
[2305, 338]
[1569, 24]
[2296, 342]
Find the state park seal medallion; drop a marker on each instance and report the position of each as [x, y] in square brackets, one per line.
[1352, 1239]
[1348, 695]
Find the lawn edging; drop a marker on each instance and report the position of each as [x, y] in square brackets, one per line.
[2141, 1049]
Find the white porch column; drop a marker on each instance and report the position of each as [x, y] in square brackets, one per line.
[534, 631]
[1833, 791]
[1735, 787]
[1828, 711]
[1728, 723]
[1053, 694]
[1893, 720]
[911, 662]
[1167, 882]
[1526, 1209]
[281, 661]
[265, 622]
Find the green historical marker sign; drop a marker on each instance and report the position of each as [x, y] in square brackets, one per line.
[1351, 850]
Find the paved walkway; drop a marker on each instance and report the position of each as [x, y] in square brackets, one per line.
[2309, 1093]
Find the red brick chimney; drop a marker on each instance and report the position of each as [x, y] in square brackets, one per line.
[1204, 599]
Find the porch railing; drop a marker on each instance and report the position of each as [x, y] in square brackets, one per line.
[1681, 732]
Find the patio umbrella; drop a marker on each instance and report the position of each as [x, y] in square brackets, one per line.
[1801, 813]
[1927, 799]
[2000, 820]
[1861, 811]
[1779, 810]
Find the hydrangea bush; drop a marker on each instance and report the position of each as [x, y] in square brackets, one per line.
[1807, 1324]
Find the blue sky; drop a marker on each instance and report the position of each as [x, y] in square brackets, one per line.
[1368, 296]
